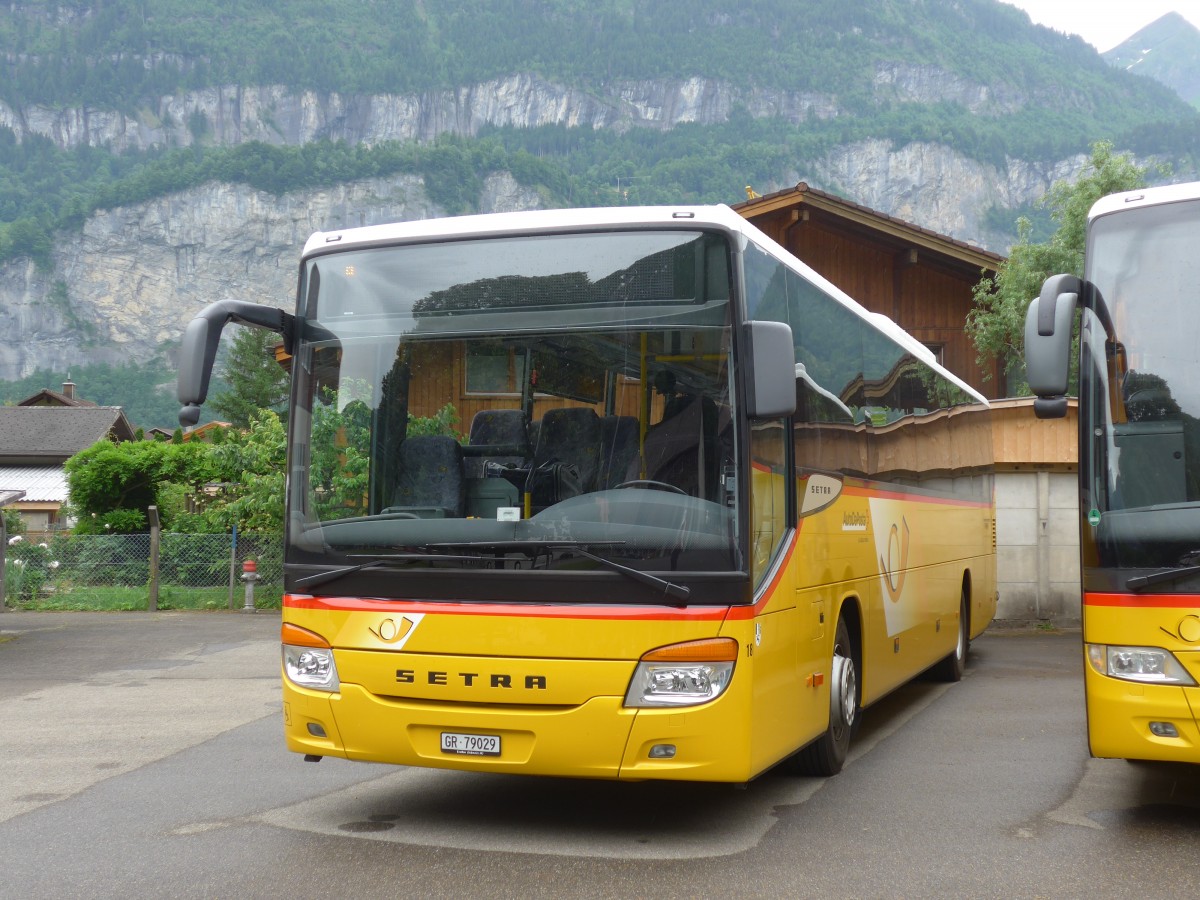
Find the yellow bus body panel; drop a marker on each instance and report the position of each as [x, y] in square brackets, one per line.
[1120, 712]
[901, 558]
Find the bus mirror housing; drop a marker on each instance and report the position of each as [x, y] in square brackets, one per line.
[770, 369]
[200, 340]
[1048, 326]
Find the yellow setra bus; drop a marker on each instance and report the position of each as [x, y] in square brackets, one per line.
[1139, 464]
[611, 493]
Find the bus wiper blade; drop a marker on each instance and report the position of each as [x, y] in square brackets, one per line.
[376, 562]
[682, 591]
[527, 544]
[1140, 582]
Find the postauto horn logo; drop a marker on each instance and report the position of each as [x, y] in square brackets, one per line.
[395, 631]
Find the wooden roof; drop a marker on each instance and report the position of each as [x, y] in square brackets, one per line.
[863, 219]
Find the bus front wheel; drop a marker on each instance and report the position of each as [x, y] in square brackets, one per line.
[827, 754]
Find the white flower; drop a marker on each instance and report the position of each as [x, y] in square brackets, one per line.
[14, 540]
[54, 563]
[44, 546]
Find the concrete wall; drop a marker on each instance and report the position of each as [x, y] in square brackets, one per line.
[1037, 546]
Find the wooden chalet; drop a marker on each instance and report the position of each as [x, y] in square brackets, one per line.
[920, 279]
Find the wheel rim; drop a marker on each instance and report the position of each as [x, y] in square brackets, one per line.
[843, 693]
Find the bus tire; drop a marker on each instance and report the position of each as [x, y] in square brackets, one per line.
[827, 754]
[951, 668]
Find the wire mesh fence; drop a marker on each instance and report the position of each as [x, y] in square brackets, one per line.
[114, 571]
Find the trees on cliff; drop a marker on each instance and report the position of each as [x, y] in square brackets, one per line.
[997, 323]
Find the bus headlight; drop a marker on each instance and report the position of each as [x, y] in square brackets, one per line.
[308, 659]
[1146, 665]
[683, 674]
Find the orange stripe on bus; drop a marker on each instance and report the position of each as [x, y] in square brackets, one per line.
[1133, 601]
[542, 611]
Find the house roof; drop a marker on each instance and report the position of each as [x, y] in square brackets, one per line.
[47, 397]
[45, 435]
[802, 195]
[41, 484]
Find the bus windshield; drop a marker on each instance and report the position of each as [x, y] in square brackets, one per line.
[1142, 450]
[517, 405]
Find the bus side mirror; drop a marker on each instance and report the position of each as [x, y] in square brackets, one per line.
[1048, 326]
[200, 340]
[770, 368]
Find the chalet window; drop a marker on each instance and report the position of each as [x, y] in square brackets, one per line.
[492, 368]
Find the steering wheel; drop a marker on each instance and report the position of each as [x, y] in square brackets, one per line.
[650, 485]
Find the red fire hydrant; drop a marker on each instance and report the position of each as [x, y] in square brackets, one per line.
[249, 575]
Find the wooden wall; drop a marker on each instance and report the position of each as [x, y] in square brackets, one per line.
[926, 293]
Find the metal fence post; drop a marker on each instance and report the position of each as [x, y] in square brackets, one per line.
[155, 538]
[3, 563]
[232, 564]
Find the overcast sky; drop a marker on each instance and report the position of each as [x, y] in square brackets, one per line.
[1104, 23]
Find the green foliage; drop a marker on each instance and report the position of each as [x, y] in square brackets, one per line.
[254, 380]
[249, 469]
[196, 487]
[119, 54]
[112, 485]
[445, 422]
[340, 467]
[997, 322]
[26, 568]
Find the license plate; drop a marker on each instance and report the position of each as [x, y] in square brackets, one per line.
[471, 744]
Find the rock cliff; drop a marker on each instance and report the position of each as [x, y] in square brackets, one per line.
[126, 286]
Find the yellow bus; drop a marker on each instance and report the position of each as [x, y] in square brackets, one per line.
[613, 493]
[1139, 464]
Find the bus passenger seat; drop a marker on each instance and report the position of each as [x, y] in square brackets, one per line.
[571, 436]
[618, 449]
[431, 483]
[498, 428]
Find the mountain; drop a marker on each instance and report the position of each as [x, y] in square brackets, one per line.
[156, 155]
[1167, 50]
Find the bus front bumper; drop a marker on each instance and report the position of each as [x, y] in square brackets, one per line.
[596, 739]
[1127, 720]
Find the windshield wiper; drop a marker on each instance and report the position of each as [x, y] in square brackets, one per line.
[1140, 582]
[436, 551]
[376, 562]
[680, 591]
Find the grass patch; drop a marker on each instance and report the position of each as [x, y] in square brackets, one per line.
[133, 599]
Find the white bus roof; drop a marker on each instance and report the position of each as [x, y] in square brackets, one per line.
[1168, 193]
[528, 222]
